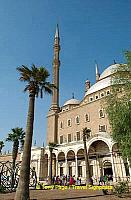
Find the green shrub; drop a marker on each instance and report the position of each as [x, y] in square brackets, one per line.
[121, 187]
[2, 189]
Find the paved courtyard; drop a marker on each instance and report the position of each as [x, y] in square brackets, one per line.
[65, 195]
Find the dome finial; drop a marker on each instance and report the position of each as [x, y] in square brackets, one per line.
[73, 95]
[114, 61]
[43, 145]
[35, 143]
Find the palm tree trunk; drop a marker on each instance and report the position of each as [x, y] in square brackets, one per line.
[22, 192]
[50, 167]
[14, 156]
[86, 162]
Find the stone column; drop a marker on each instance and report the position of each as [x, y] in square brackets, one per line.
[56, 166]
[38, 169]
[66, 167]
[76, 161]
[48, 166]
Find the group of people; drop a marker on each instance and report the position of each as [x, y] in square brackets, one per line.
[105, 179]
[66, 180]
[72, 180]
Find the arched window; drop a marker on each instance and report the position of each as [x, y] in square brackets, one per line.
[77, 120]
[101, 113]
[87, 117]
[69, 122]
[61, 124]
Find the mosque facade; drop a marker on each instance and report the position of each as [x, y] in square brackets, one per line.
[65, 128]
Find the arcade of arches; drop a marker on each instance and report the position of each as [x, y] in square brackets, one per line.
[103, 161]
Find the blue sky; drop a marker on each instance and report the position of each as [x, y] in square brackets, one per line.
[89, 30]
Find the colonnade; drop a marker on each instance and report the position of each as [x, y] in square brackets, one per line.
[99, 154]
[67, 159]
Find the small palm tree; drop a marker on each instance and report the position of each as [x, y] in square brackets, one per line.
[36, 79]
[51, 147]
[1, 146]
[16, 136]
[86, 135]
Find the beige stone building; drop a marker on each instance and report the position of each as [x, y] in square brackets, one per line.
[65, 125]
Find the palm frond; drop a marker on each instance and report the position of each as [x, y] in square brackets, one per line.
[25, 73]
[36, 79]
[26, 88]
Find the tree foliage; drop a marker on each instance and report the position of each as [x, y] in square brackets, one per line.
[36, 79]
[119, 107]
[16, 136]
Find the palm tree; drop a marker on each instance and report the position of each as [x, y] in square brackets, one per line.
[1, 146]
[16, 136]
[36, 79]
[51, 147]
[86, 135]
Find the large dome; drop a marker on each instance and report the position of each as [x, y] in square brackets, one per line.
[107, 72]
[104, 80]
[72, 102]
[99, 85]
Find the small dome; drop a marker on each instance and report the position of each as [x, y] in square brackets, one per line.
[71, 102]
[107, 72]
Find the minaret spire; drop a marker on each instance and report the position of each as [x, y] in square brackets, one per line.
[56, 65]
[57, 31]
[97, 72]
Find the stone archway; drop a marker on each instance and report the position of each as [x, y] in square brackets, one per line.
[61, 156]
[80, 154]
[80, 161]
[70, 155]
[98, 152]
[71, 163]
[61, 163]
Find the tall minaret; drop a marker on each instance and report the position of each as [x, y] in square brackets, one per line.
[52, 117]
[56, 65]
[97, 73]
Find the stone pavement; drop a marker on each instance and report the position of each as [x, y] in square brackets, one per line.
[65, 195]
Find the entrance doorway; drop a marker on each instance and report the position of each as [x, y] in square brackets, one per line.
[108, 171]
[107, 168]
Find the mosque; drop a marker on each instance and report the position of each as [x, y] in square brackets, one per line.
[65, 125]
